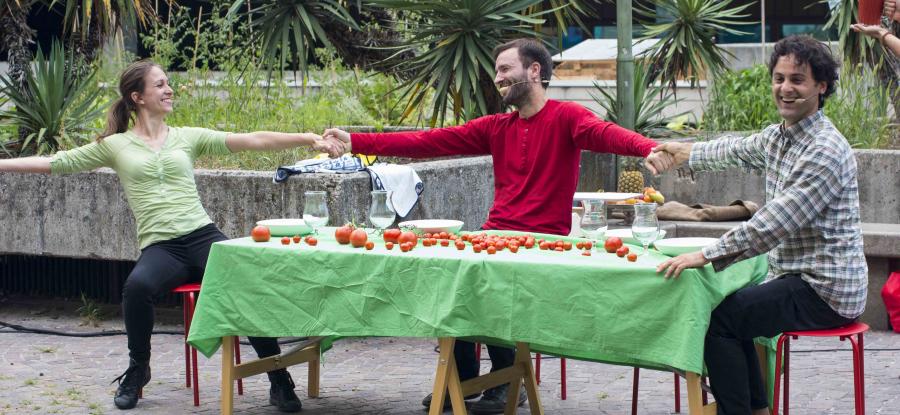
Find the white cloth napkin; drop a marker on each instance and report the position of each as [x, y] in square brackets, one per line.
[402, 181]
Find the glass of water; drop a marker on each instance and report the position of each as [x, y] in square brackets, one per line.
[645, 227]
[381, 211]
[593, 220]
[315, 209]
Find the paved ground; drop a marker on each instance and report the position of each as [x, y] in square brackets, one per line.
[52, 374]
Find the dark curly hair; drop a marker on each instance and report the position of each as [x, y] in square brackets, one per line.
[809, 51]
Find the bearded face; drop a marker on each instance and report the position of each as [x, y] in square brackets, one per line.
[515, 91]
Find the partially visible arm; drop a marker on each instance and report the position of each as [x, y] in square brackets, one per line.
[882, 34]
[469, 139]
[727, 152]
[269, 140]
[591, 133]
[26, 165]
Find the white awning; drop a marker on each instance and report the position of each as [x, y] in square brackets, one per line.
[600, 49]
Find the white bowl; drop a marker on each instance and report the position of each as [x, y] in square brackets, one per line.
[625, 235]
[678, 246]
[286, 227]
[432, 225]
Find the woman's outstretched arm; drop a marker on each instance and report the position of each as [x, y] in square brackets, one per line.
[26, 165]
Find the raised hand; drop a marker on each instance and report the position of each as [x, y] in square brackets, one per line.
[680, 152]
[873, 31]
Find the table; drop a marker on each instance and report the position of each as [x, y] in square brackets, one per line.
[599, 308]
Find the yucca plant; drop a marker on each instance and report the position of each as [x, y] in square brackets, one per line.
[650, 98]
[289, 30]
[452, 47]
[855, 47]
[57, 109]
[686, 46]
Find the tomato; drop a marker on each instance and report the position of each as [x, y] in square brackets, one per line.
[260, 233]
[544, 246]
[476, 248]
[358, 238]
[370, 245]
[559, 249]
[445, 242]
[285, 241]
[296, 239]
[621, 252]
[491, 250]
[612, 243]
[407, 236]
[460, 246]
[586, 253]
[632, 257]
[312, 241]
[444, 235]
[391, 235]
[579, 245]
[529, 243]
[514, 248]
[389, 245]
[426, 235]
[567, 246]
[342, 234]
[588, 245]
[405, 247]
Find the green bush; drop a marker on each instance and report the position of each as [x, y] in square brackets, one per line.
[741, 101]
[860, 108]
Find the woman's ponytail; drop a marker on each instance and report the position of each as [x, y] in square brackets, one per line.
[117, 119]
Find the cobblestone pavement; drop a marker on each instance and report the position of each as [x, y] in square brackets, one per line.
[70, 375]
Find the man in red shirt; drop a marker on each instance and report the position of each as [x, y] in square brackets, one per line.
[536, 152]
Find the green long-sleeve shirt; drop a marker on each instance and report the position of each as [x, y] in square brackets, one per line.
[159, 186]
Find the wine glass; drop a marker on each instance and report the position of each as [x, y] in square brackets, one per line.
[315, 209]
[593, 220]
[645, 227]
[381, 211]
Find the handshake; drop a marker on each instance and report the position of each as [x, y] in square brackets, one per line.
[335, 142]
[667, 156]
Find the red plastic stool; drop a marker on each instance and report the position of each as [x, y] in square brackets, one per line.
[189, 300]
[844, 333]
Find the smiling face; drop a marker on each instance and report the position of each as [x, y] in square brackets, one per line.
[157, 96]
[790, 82]
[514, 80]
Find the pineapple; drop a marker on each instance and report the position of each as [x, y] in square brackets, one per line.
[631, 180]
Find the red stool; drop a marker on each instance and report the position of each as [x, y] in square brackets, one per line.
[844, 333]
[189, 300]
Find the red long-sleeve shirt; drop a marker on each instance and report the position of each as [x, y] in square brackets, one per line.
[536, 160]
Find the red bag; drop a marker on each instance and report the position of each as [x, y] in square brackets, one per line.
[891, 296]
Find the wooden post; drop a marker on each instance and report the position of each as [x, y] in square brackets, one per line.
[227, 375]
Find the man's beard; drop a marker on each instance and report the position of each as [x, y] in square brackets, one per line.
[517, 94]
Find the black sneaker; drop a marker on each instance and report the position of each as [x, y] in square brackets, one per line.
[281, 393]
[494, 400]
[427, 401]
[135, 377]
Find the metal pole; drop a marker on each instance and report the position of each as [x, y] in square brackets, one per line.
[624, 65]
[762, 31]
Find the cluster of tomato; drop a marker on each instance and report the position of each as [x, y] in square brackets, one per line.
[614, 245]
[310, 240]
[263, 234]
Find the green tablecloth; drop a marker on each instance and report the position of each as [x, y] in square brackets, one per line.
[599, 308]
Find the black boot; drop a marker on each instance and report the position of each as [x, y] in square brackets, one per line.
[135, 377]
[494, 400]
[281, 393]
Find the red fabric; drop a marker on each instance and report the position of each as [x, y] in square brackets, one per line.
[536, 160]
[890, 293]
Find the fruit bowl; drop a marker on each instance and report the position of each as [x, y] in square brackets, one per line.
[432, 225]
[625, 235]
[678, 246]
[286, 226]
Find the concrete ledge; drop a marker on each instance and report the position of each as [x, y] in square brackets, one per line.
[881, 244]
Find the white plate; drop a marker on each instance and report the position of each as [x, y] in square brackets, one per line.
[607, 196]
[286, 227]
[625, 235]
[432, 225]
[678, 246]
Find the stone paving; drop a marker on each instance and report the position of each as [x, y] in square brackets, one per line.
[70, 375]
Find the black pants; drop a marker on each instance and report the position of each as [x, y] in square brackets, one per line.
[162, 267]
[785, 304]
[468, 366]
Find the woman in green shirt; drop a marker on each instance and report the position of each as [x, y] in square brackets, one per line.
[154, 163]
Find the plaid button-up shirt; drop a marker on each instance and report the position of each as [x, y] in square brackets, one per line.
[810, 223]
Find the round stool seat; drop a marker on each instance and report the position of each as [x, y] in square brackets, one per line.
[187, 288]
[848, 330]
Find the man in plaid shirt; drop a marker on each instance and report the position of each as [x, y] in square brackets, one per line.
[809, 226]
